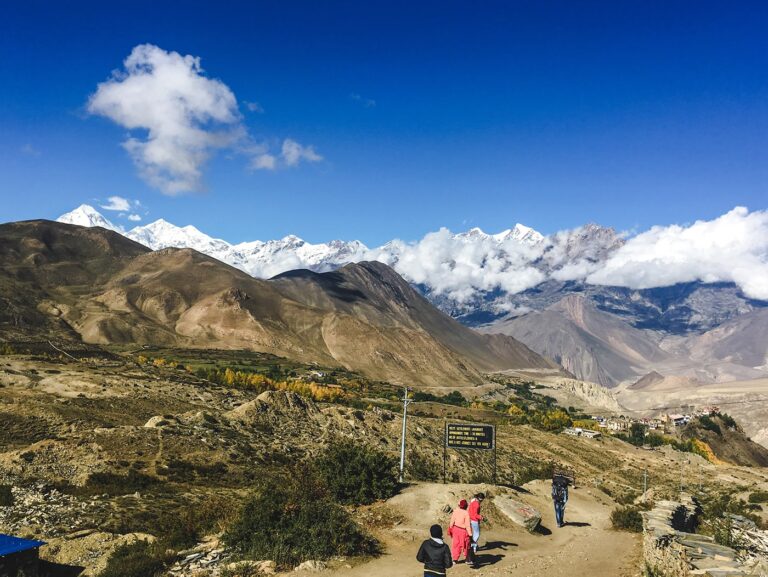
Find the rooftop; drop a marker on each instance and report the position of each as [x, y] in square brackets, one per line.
[10, 545]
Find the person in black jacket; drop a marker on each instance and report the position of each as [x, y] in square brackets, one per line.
[435, 554]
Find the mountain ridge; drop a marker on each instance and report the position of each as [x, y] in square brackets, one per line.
[108, 289]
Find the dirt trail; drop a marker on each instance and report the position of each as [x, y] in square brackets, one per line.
[585, 547]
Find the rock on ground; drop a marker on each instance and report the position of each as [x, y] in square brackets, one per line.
[518, 512]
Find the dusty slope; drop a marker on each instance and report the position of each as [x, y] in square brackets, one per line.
[108, 289]
[602, 347]
[593, 345]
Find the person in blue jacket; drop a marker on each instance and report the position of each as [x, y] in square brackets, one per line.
[559, 497]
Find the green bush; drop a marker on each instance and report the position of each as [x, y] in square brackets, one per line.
[708, 424]
[139, 559]
[627, 519]
[758, 497]
[356, 474]
[728, 421]
[6, 496]
[113, 484]
[294, 518]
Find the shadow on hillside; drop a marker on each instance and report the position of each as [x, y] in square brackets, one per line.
[515, 488]
[50, 569]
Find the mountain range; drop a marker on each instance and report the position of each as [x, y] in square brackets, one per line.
[99, 286]
[530, 286]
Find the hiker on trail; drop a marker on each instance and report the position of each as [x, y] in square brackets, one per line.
[459, 530]
[474, 519]
[434, 553]
[560, 497]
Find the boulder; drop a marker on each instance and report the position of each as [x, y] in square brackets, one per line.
[312, 566]
[518, 512]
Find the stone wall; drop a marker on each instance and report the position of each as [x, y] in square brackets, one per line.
[672, 549]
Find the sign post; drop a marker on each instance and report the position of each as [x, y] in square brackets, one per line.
[469, 436]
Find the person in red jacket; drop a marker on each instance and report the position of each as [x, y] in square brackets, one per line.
[474, 520]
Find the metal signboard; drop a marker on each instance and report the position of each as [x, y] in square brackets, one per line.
[469, 436]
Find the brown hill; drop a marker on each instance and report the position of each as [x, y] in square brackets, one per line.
[67, 280]
[593, 345]
[727, 441]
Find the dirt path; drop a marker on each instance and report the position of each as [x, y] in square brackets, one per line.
[585, 547]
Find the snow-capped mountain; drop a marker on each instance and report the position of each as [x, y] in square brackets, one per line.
[257, 258]
[473, 276]
[86, 215]
[163, 234]
[519, 233]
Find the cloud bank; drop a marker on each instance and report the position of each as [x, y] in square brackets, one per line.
[730, 248]
[178, 117]
[461, 266]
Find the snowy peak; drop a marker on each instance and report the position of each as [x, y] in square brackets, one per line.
[519, 233]
[86, 215]
[162, 234]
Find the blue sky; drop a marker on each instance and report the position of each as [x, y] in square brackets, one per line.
[425, 115]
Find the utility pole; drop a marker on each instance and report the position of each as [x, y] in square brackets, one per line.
[682, 470]
[406, 400]
[645, 484]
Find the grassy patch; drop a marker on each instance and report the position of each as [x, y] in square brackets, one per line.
[627, 519]
[138, 559]
[6, 496]
[357, 474]
[292, 519]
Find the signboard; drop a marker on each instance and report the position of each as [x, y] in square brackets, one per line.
[461, 436]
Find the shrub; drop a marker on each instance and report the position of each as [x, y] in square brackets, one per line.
[627, 519]
[138, 559]
[357, 474]
[532, 472]
[708, 424]
[6, 496]
[113, 484]
[728, 421]
[758, 497]
[292, 519]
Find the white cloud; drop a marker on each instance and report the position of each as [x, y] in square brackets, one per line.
[730, 248]
[117, 203]
[292, 153]
[254, 107]
[182, 117]
[134, 217]
[185, 115]
[264, 161]
[461, 267]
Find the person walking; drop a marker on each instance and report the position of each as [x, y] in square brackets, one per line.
[559, 497]
[474, 520]
[459, 530]
[435, 554]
